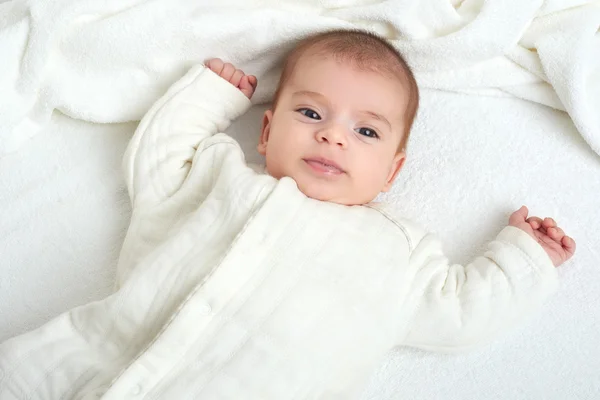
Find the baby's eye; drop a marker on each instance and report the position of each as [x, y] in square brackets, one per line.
[307, 112]
[368, 132]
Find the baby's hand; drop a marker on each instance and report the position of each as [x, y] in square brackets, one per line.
[559, 246]
[237, 77]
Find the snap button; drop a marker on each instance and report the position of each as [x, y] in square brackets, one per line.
[204, 308]
[137, 389]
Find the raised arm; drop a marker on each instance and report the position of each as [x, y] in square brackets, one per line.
[462, 306]
[177, 131]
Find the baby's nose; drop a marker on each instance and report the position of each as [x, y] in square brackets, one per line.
[335, 135]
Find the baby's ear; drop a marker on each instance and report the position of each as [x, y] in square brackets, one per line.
[264, 132]
[397, 164]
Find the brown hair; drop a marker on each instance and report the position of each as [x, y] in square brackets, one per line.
[366, 51]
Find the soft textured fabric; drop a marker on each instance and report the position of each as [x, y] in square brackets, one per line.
[108, 61]
[235, 285]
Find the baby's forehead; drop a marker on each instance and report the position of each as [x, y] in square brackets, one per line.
[309, 63]
[313, 78]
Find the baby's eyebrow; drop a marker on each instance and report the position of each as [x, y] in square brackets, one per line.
[316, 95]
[378, 117]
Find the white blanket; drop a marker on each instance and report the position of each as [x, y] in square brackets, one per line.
[107, 61]
[472, 159]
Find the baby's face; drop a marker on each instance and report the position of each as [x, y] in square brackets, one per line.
[336, 131]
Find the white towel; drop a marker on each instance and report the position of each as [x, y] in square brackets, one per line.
[107, 61]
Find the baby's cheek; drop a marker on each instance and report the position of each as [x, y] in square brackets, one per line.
[366, 174]
[381, 173]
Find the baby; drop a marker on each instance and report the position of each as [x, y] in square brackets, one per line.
[288, 283]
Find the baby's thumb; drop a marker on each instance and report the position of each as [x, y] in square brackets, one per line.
[518, 216]
[247, 87]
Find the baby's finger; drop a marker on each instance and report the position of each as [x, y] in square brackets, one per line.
[561, 233]
[568, 244]
[237, 77]
[548, 223]
[215, 65]
[253, 81]
[228, 71]
[535, 222]
[246, 87]
[555, 233]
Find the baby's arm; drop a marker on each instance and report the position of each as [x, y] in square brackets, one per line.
[182, 128]
[462, 306]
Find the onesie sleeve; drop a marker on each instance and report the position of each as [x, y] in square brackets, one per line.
[458, 306]
[184, 127]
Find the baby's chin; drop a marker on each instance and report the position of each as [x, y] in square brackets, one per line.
[329, 193]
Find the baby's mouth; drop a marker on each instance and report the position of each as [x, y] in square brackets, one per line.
[324, 166]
